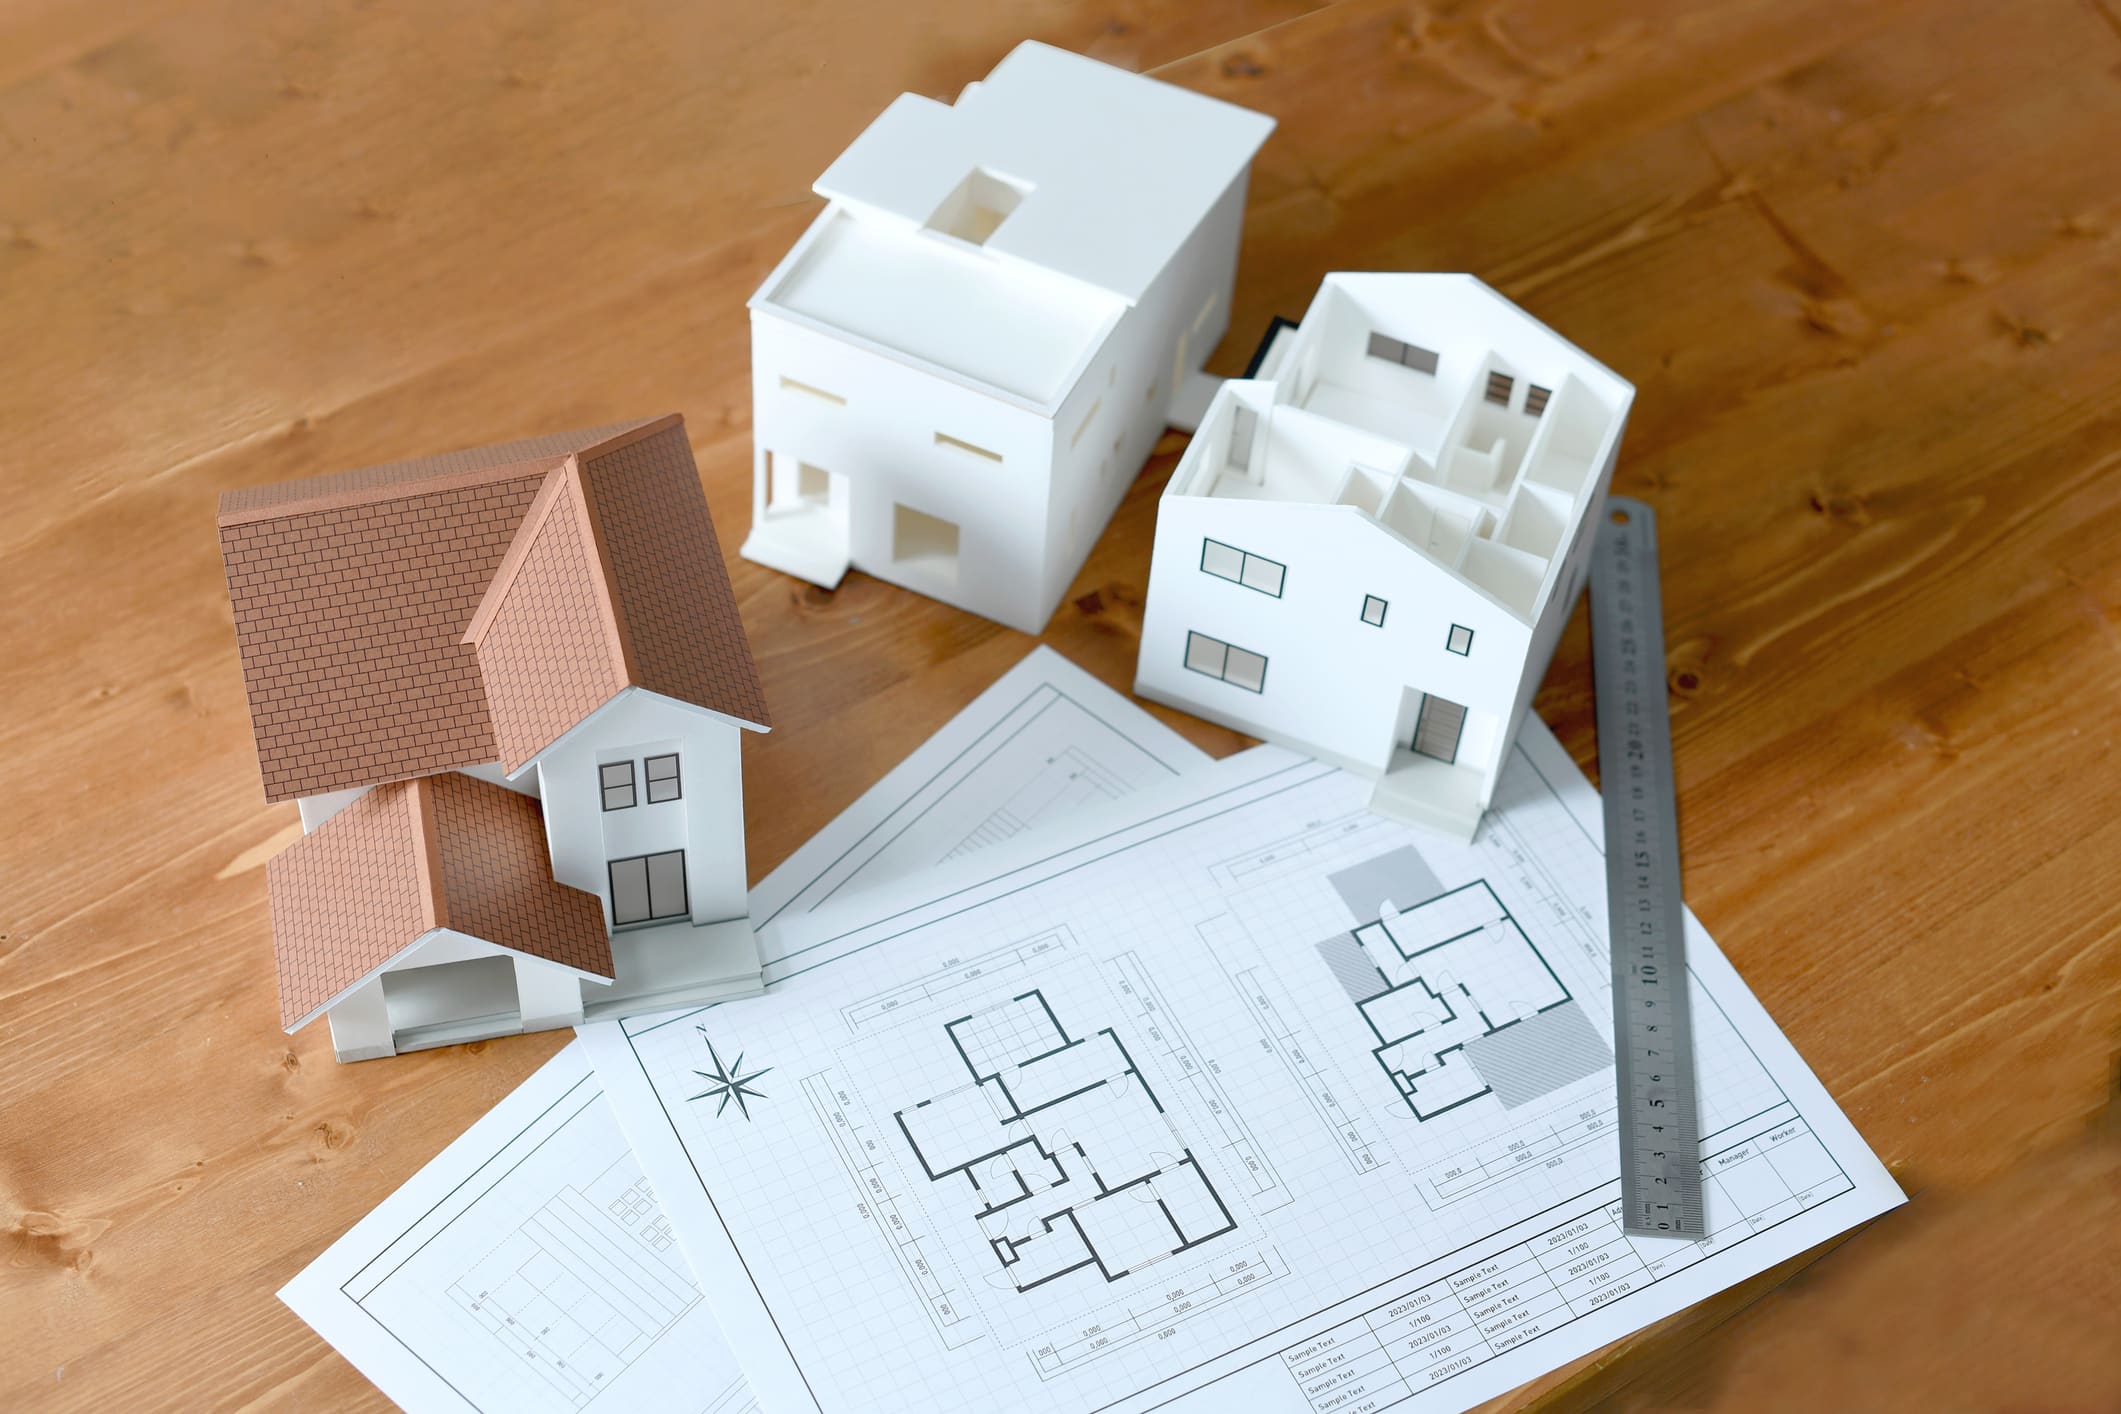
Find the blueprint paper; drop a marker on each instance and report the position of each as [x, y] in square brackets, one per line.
[529, 1267]
[526, 1268]
[1045, 740]
[1258, 1102]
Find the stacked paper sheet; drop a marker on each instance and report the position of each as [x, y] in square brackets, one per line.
[1093, 1076]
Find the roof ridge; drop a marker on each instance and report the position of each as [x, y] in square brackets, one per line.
[427, 850]
[232, 511]
[605, 583]
[385, 481]
[639, 432]
[526, 535]
[566, 485]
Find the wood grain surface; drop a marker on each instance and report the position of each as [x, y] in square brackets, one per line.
[1862, 260]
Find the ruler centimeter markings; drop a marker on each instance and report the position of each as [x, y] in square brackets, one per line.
[1653, 1039]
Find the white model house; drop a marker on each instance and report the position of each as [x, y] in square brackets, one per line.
[1371, 546]
[506, 687]
[958, 368]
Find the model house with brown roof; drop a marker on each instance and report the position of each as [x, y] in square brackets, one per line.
[506, 688]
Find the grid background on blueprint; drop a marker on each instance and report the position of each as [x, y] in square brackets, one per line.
[857, 1324]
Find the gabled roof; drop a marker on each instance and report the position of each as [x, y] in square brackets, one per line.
[1116, 168]
[352, 594]
[407, 858]
[602, 590]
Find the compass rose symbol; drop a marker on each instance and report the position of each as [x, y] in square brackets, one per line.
[729, 1082]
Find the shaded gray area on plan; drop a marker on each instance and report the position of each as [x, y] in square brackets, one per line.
[1538, 1055]
[1400, 875]
[1345, 959]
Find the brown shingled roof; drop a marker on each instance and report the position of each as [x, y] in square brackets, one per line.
[352, 594]
[615, 579]
[407, 858]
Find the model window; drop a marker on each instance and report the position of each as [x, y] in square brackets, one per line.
[1535, 399]
[662, 772]
[1499, 386]
[1235, 666]
[618, 785]
[944, 439]
[1407, 355]
[1373, 611]
[811, 390]
[1460, 641]
[1240, 567]
[1088, 418]
[648, 887]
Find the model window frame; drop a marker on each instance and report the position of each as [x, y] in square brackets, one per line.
[676, 779]
[631, 785]
[1244, 568]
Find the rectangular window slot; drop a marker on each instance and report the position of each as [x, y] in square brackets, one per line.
[1460, 641]
[1205, 310]
[1391, 350]
[793, 386]
[944, 439]
[1239, 567]
[1499, 386]
[1217, 659]
[1088, 418]
[1373, 614]
[1535, 399]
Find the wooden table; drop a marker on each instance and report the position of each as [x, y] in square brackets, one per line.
[1862, 261]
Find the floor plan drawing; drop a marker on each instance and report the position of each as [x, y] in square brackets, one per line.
[1037, 1162]
[392, 1294]
[1462, 1004]
[1066, 1156]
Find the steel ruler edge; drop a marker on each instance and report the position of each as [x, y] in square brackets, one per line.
[1653, 1038]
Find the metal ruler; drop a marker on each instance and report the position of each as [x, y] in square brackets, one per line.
[1653, 1038]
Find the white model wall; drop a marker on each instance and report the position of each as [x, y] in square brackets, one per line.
[1116, 412]
[360, 1024]
[1571, 574]
[706, 821]
[881, 442]
[1334, 685]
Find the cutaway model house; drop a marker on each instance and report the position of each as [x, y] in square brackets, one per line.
[1370, 548]
[958, 369]
[507, 688]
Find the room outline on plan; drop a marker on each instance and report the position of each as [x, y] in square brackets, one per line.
[1462, 1004]
[1068, 1157]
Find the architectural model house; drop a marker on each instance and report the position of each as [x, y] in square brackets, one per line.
[506, 687]
[960, 366]
[1371, 546]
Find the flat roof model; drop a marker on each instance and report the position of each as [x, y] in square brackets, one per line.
[1021, 279]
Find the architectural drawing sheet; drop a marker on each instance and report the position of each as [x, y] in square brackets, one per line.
[1252, 1100]
[529, 1266]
